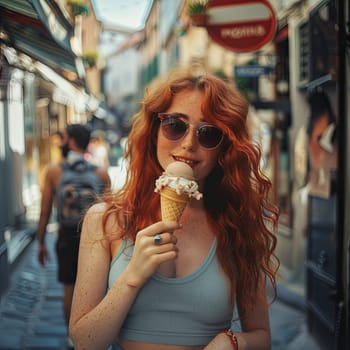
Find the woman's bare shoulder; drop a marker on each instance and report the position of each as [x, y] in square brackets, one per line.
[97, 221]
[97, 209]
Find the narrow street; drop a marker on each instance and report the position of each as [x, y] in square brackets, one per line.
[31, 314]
[92, 62]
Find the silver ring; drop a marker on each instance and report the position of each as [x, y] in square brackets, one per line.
[157, 239]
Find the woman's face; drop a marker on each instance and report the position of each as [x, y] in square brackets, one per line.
[187, 149]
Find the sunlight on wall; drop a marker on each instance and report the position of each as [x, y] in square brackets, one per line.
[2, 132]
[16, 120]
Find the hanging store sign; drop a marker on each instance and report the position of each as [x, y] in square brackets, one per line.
[252, 71]
[241, 25]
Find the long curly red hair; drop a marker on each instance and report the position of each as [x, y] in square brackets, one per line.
[235, 193]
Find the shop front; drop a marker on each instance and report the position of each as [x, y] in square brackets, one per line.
[34, 45]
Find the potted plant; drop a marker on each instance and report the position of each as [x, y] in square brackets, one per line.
[78, 7]
[90, 58]
[197, 10]
[181, 27]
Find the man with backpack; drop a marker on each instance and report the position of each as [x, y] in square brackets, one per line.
[72, 185]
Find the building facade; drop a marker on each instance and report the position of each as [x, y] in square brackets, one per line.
[44, 86]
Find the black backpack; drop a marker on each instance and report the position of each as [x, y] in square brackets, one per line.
[77, 190]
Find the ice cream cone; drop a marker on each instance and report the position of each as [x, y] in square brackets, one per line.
[172, 204]
[176, 187]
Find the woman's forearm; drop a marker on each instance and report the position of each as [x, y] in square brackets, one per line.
[100, 327]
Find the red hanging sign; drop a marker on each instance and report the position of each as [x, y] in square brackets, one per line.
[241, 25]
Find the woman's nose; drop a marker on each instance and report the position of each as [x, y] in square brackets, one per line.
[189, 141]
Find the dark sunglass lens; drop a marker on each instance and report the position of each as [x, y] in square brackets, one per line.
[173, 128]
[209, 136]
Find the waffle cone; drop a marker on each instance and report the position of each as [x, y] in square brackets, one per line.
[172, 204]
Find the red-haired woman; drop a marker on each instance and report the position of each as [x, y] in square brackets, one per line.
[181, 294]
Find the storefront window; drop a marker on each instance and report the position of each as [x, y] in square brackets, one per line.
[284, 180]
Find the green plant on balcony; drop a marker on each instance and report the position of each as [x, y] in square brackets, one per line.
[221, 74]
[90, 58]
[78, 7]
[246, 87]
[197, 10]
[180, 28]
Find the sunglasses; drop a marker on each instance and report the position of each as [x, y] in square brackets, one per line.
[174, 128]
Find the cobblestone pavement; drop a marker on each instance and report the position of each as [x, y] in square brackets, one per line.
[31, 314]
[288, 328]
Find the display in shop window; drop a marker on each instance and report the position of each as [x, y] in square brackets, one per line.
[321, 144]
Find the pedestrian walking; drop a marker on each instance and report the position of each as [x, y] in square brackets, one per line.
[149, 283]
[72, 186]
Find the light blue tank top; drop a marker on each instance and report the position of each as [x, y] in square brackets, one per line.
[188, 310]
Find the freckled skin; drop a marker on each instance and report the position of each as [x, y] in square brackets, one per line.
[98, 317]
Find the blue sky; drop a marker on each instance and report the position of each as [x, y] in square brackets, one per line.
[122, 13]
